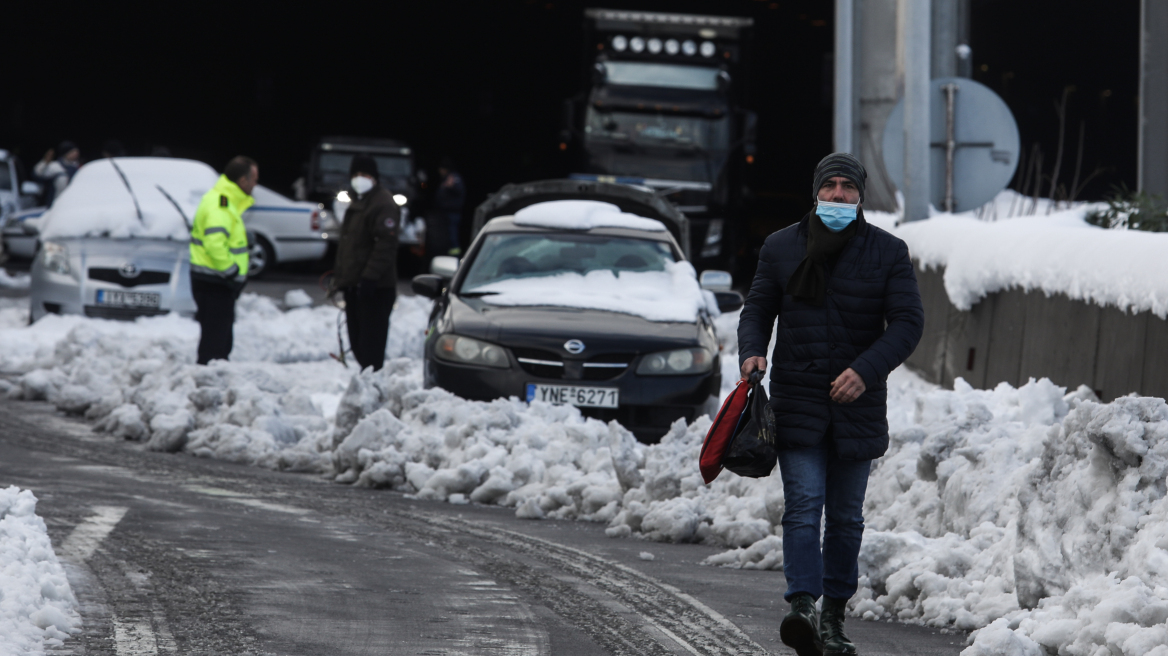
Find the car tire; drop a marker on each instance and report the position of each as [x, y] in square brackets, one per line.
[262, 257]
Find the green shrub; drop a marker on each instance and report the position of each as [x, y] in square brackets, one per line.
[1129, 210]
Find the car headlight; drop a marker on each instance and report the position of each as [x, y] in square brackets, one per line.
[464, 350]
[56, 257]
[676, 363]
[343, 196]
[400, 199]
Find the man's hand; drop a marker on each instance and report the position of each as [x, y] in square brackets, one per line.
[847, 388]
[757, 363]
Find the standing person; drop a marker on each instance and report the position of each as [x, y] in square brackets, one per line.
[219, 256]
[849, 312]
[449, 199]
[56, 174]
[366, 265]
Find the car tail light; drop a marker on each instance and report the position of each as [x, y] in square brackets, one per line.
[316, 219]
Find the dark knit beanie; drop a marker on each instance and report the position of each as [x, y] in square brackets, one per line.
[363, 164]
[839, 164]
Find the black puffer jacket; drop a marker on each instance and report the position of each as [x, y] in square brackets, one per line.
[368, 244]
[871, 283]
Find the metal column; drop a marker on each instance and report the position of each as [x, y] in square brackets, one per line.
[844, 60]
[916, 26]
[1153, 134]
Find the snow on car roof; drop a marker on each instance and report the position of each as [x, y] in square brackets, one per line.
[583, 215]
[98, 203]
[266, 197]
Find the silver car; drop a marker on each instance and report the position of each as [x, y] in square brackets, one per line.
[115, 242]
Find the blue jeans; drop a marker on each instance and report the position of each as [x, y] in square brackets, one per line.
[812, 480]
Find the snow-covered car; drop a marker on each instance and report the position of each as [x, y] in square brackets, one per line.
[578, 294]
[285, 230]
[21, 230]
[115, 242]
[16, 197]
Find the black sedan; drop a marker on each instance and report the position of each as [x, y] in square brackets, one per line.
[536, 310]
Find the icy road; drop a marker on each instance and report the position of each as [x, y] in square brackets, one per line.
[181, 555]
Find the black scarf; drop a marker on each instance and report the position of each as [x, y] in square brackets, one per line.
[809, 282]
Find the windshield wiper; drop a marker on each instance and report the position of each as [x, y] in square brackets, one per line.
[173, 202]
[130, 189]
[477, 294]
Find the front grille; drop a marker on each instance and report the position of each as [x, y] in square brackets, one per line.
[607, 366]
[143, 278]
[121, 314]
[536, 362]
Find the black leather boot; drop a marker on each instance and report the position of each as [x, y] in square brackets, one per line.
[800, 627]
[831, 628]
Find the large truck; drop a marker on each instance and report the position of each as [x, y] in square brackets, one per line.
[665, 109]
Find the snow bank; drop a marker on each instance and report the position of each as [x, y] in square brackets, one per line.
[1033, 516]
[670, 295]
[98, 203]
[37, 606]
[582, 215]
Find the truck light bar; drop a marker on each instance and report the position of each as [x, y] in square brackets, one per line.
[659, 18]
[652, 183]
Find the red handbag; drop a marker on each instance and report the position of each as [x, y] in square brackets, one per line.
[722, 432]
[742, 437]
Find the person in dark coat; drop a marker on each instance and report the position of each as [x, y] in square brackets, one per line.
[366, 264]
[449, 199]
[845, 296]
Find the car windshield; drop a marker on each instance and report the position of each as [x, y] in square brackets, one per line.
[6, 181]
[504, 256]
[334, 167]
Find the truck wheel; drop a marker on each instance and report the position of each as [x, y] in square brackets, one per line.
[262, 257]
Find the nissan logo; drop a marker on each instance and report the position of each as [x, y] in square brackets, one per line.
[574, 346]
[128, 270]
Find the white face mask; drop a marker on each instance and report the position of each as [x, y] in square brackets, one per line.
[361, 184]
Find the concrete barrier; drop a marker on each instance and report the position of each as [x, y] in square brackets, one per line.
[1015, 335]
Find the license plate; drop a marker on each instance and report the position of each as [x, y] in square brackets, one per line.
[581, 397]
[128, 299]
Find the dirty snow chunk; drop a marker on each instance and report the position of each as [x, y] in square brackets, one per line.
[582, 215]
[18, 281]
[37, 606]
[97, 203]
[669, 295]
[645, 555]
[297, 298]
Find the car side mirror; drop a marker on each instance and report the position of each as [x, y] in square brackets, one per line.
[428, 285]
[716, 281]
[444, 266]
[728, 301]
[30, 188]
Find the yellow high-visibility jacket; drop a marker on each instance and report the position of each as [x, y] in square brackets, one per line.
[219, 250]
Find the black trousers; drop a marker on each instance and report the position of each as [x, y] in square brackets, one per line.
[368, 320]
[216, 316]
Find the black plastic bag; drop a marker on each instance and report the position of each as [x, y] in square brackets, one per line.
[752, 451]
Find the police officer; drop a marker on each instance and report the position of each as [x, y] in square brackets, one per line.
[366, 265]
[219, 256]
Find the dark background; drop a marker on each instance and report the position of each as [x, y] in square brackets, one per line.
[483, 82]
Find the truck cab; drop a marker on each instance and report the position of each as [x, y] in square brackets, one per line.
[664, 111]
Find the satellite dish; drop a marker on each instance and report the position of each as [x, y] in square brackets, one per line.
[980, 136]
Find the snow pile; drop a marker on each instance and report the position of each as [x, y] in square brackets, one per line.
[18, 281]
[1057, 254]
[669, 295]
[582, 215]
[297, 298]
[98, 203]
[37, 606]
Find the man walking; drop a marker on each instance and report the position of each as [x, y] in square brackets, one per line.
[219, 256]
[849, 312]
[449, 199]
[366, 265]
[56, 174]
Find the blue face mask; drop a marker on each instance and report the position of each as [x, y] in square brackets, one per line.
[836, 216]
